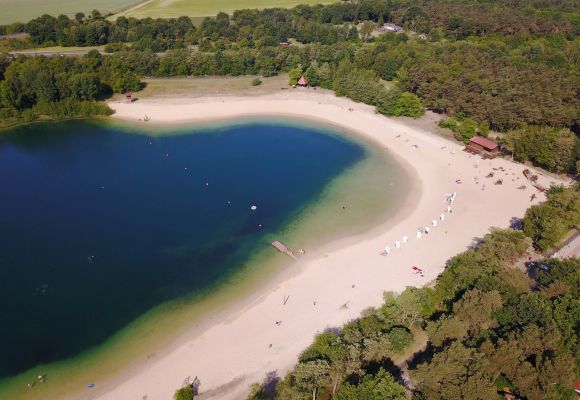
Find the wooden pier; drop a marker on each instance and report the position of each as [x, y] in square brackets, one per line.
[283, 249]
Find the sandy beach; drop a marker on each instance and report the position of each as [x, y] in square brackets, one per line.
[333, 284]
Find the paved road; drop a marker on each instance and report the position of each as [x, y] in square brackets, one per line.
[53, 53]
[571, 249]
[62, 53]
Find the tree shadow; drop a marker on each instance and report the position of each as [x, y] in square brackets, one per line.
[388, 365]
[269, 384]
[517, 223]
[475, 242]
[335, 330]
[422, 356]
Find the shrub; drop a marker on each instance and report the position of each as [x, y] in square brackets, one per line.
[547, 223]
[464, 128]
[185, 393]
[256, 82]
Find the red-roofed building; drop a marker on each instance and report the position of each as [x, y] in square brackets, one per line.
[485, 147]
[302, 81]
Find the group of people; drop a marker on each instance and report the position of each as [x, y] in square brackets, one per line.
[39, 379]
[449, 199]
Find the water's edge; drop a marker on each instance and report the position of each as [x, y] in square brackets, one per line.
[364, 187]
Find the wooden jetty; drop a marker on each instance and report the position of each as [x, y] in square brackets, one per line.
[283, 249]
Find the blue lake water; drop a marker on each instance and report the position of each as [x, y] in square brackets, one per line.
[98, 225]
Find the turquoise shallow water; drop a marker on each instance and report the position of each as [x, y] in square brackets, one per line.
[98, 226]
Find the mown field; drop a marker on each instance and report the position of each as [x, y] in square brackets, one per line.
[24, 10]
[204, 8]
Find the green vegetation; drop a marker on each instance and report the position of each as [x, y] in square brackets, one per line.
[25, 10]
[489, 326]
[204, 8]
[549, 222]
[55, 88]
[464, 128]
[492, 65]
[185, 393]
[511, 67]
[555, 149]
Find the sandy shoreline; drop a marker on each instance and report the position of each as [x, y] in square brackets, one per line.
[235, 350]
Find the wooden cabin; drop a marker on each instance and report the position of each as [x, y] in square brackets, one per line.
[485, 147]
[302, 82]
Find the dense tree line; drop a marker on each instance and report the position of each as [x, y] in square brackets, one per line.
[59, 87]
[555, 149]
[490, 81]
[318, 23]
[489, 327]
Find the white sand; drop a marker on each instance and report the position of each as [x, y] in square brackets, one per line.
[234, 352]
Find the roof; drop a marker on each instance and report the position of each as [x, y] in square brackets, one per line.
[303, 81]
[128, 94]
[484, 142]
[390, 25]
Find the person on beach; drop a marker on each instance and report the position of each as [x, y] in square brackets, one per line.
[442, 217]
[434, 222]
[426, 230]
[418, 234]
[405, 239]
[449, 209]
[397, 244]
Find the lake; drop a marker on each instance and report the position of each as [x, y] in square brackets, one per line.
[101, 224]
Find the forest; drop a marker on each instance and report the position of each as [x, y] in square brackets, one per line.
[511, 68]
[489, 327]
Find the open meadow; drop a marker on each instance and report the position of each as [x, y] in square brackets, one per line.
[204, 8]
[208, 87]
[25, 10]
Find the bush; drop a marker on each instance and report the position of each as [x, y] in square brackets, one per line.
[256, 82]
[464, 128]
[408, 105]
[185, 393]
[293, 75]
[546, 224]
[400, 104]
[126, 82]
[115, 47]
[71, 108]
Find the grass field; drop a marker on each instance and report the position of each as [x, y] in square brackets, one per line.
[25, 10]
[208, 87]
[204, 8]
